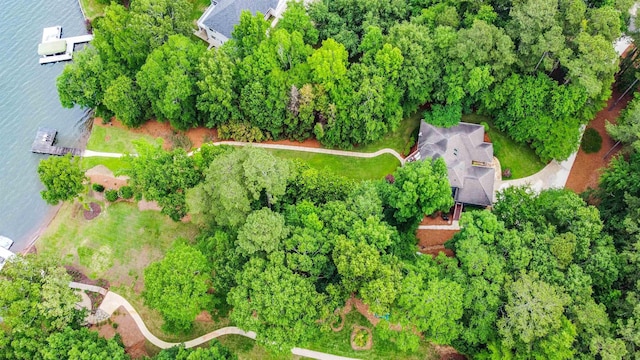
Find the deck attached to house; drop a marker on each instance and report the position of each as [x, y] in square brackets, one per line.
[43, 144]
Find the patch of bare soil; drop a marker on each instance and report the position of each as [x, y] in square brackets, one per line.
[432, 241]
[93, 212]
[587, 168]
[197, 136]
[148, 205]
[448, 353]
[132, 338]
[100, 174]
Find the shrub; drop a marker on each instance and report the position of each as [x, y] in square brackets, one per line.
[111, 195]
[241, 132]
[126, 192]
[97, 187]
[506, 173]
[180, 140]
[591, 141]
[485, 125]
[408, 146]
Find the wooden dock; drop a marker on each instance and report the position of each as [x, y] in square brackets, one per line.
[43, 144]
[53, 34]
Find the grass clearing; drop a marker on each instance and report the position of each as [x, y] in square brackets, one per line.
[396, 140]
[339, 343]
[520, 158]
[92, 8]
[350, 167]
[113, 164]
[248, 349]
[117, 246]
[114, 139]
[199, 6]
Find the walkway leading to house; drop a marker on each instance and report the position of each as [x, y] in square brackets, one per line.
[90, 153]
[455, 225]
[113, 301]
[554, 175]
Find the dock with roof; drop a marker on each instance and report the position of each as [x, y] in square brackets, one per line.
[54, 48]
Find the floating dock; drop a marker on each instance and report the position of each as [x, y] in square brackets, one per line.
[43, 144]
[53, 48]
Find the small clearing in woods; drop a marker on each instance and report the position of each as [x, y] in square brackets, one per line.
[587, 168]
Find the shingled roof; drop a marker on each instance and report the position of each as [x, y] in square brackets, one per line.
[226, 14]
[467, 156]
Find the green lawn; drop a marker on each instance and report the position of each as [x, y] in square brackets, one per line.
[114, 139]
[92, 8]
[113, 164]
[339, 343]
[522, 160]
[117, 246]
[396, 140]
[247, 349]
[199, 7]
[351, 167]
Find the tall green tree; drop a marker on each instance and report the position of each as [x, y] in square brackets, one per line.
[236, 181]
[123, 98]
[217, 96]
[419, 188]
[81, 344]
[35, 302]
[168, 80]
[62, 177]
[162, 176]
[280, 306]
[264, 230]
[177, 286]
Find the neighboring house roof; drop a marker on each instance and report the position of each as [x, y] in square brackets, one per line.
[467, 156]
[226, 14]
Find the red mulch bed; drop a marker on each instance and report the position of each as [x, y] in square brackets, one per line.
[93, 213]
[587, 168]
[432, 241]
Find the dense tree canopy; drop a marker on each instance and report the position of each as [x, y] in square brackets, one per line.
[348, 71]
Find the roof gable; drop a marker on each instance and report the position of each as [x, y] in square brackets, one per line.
[226, 14]
[463, 149]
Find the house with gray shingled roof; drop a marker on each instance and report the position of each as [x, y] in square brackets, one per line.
[217, 23]
[468, 157]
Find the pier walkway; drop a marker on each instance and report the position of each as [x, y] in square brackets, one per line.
[68, 54]
[43, 144]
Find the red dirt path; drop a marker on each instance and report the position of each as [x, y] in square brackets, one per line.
[587, 168]
[197, 136]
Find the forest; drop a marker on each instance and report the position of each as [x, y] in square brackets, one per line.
[348, 71]
[549, 275]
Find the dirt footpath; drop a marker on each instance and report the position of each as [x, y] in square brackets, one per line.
[587, 168]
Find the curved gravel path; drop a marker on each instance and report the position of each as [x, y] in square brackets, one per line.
[113, 301]
[91, 153]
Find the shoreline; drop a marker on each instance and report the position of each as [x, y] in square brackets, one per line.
[44, 225]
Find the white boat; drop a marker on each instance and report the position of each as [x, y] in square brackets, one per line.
[5, 242]
[5, 255]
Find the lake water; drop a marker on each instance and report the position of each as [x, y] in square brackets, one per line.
[28, 100]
